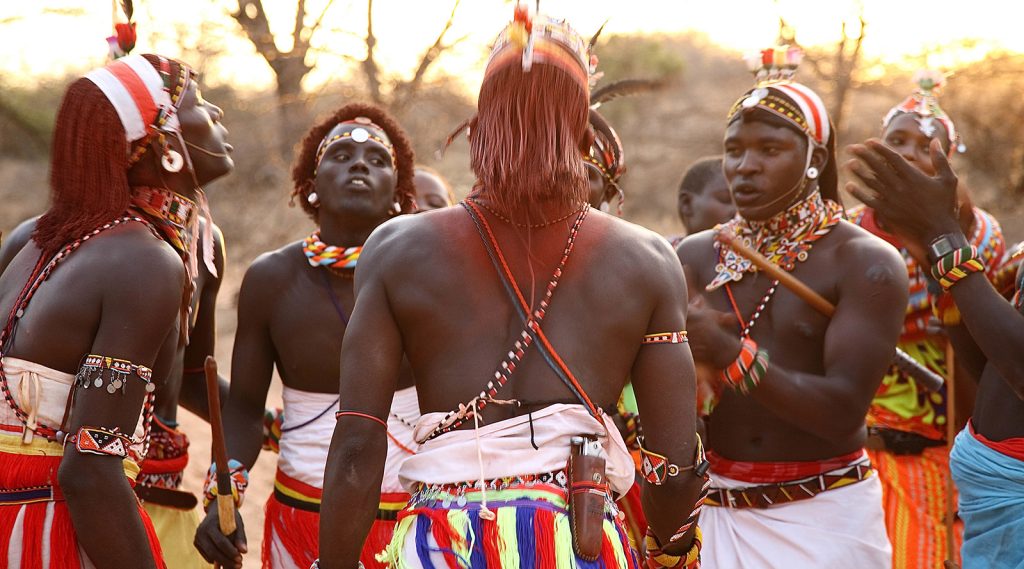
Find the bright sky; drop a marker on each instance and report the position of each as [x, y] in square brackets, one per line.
[42, 39]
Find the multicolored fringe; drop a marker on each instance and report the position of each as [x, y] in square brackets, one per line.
[914, 499]
[31, 502]
[531, 530]
[296, 531]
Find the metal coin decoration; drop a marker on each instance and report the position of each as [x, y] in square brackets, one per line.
[360, 135]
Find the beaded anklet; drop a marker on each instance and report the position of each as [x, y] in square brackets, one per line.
[956, 265]
[239, 477]
[750, 367]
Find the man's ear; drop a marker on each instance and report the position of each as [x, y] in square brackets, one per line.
[685, 204]
[819, 158]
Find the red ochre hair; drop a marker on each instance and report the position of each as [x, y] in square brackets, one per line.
[88, 165]
[305, 162]
[527, 136]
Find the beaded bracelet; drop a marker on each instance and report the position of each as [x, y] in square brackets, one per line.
[656, 469]
[750, 367]
[657, 559]
[239, 482]
[955, 265]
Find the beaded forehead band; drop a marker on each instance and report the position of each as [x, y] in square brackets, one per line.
[924, 102]
[777, 93]
[358, 134]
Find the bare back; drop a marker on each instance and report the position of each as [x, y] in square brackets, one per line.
[457, 321]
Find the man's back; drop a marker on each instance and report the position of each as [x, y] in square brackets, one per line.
[455, 336]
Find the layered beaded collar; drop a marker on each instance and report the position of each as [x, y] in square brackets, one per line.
[784, 239]
[172, 214]
[320, 254]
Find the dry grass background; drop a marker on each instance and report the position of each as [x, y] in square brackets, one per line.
[662, 134]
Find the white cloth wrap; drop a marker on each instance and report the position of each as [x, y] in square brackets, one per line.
[42, 393]
[407, 406]
[506, 448]
[840, 529]
[304, 450]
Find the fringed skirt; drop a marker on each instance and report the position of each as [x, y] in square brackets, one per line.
[35, 524]
[442, 527]
[292, 525]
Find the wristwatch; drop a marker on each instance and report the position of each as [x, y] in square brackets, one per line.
[946, 244]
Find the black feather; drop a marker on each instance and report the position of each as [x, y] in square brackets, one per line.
[625, 88]
[597, 34]
[128, 8]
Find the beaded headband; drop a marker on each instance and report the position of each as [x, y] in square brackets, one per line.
[540, 39]
[924, 102]
[145, 99]
[777, 93]
[358, 134]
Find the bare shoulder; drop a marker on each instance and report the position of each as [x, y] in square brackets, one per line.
[409, 236]
[861, 248]
[694, 249]
[142, 262]
[272, 270]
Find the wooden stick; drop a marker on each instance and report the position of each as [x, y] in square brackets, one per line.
[925, 378]
[225, 501]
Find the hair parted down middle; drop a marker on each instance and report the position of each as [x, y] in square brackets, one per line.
[305, 162]
[528, 135]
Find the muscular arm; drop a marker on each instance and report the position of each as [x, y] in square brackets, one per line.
[140, 309]
[252, 366]
[355, 464]
[665, 386]
[203, 338]
[858, 349]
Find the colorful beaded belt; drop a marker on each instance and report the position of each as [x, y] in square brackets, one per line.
[775, 494]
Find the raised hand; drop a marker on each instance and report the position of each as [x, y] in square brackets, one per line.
[911, 203]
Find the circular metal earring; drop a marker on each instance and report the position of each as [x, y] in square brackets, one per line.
[313, 199]
[172, 160]
[812, 173]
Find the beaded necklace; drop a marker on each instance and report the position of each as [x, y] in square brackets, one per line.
[785, 239]
[530, 225]
[40, 273]
[320, 254]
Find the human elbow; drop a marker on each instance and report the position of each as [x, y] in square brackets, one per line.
[81, 477]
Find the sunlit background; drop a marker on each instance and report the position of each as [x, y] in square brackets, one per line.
[50, 38]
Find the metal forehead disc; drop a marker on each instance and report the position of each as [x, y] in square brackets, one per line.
[360, 135]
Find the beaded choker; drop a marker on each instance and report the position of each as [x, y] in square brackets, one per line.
[320, 254]
[785, 239]
[172, 214]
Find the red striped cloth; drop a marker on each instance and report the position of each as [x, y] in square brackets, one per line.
[775, 472]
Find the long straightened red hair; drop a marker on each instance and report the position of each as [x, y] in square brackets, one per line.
[88, 165]
[527, 137]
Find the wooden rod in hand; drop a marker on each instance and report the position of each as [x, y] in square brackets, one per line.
[925, 378]
[225, 501]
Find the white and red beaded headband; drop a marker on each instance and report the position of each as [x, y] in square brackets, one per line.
[139, 95]
[774, 69]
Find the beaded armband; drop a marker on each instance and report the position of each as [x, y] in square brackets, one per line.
[665, 338]
[657, 559]
[955, 265]
[97, 440]
[239, 482]
[91, 374]
[656, 469]
[750, 367]
[316, 565]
